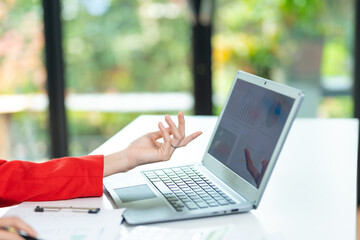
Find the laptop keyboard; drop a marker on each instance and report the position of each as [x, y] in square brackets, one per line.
[187, 188]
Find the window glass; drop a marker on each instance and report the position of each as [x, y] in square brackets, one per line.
[23, 101]
[123, 58]
[305, 44]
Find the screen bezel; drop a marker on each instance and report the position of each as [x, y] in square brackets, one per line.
[235, 181]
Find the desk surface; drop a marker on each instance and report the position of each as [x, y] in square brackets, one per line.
[311, 194]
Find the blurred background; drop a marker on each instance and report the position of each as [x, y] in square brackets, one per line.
[130, 57]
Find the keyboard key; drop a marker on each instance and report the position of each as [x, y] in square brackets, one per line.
[172, 199]
[181, 195]
[223, 202]
[207, 198]
[168, 170]
[177, 192]
[162, 187]
[192, 194]
[202, 194]
[202, 204]
[186, 188]
[191, 205]
[207, 188]
[188, 191]
[182, 185]
[213, 204]
[154, 179]
[211, 192]
[157, 172]
[218, 198]
[197, 200]
[174, 188]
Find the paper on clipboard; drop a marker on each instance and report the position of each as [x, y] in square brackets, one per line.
[71, 225]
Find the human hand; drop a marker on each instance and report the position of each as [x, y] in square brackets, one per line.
[147, 149]
[9, 226]
[257, 176]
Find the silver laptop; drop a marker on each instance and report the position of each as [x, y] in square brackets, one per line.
[235, 168]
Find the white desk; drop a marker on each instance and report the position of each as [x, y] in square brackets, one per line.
[311, 194]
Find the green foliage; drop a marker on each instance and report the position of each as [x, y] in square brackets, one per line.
[337, 107]
[284, 40]
[303, 17]
[335, 62]
[29, 136]
[21, 47]
[98, 123]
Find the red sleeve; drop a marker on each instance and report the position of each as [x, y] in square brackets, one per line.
[57, 179]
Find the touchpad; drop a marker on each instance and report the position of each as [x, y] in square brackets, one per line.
[134, 193]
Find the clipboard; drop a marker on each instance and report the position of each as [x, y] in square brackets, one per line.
[56, 220]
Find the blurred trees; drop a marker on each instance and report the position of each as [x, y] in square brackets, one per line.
[21, 47]
[127, 46]
[307, 44]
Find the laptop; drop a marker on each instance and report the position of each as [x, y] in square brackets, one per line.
[236, 166]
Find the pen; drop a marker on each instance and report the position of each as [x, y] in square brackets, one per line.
[21, 233]
[75, 209]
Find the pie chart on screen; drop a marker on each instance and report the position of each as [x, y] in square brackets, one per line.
[273, 114]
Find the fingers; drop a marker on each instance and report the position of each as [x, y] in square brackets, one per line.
[5, 235]
[157, 135]
[248, 156]
[189, 138]
[18, 224]
[177, 135]
[264, 164]
[250, 164]
[181, 121]
[164, 133]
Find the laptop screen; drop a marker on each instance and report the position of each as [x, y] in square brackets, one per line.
[249, 130]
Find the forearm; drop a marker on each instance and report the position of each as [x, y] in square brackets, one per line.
[130, 158]
[118, 162]
[53, 180]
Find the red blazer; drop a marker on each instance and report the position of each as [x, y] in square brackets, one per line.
[57, 179]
